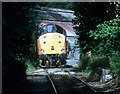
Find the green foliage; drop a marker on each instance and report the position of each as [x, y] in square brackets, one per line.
[106, 40]
[18, 44]
[18, 28]
[88, 15]
[61, 5]
[94, 62]
[93, 65]
[115, 63]
[84, 61]
[106, 37]
[99, 32]
[98, 61]
[30, 66]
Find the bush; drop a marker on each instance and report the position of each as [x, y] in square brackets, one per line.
[93, 62]
[115, 63]
[106, 37]
[30, 66]
[83, 62]
[115, 66]
[99, 61]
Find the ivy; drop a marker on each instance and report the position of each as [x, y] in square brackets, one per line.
[106, 36]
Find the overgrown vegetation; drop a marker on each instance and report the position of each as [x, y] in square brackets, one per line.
[106, 37]
[98, 30]
[106, 40]
[18, 43]
[30, 66]
[99, 33]
[61, 5]
[88, 16]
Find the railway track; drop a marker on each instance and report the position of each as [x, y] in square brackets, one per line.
[69, 84]
[52, 82]
[89, 89]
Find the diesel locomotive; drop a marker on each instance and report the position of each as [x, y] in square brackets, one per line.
[51, 45]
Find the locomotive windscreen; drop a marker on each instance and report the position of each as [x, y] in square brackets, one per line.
[51, 28]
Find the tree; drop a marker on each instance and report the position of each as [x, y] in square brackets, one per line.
[18, 24]
[107, 42]
[61, 5]
[98, 27]
[106, 37]
[88, 15]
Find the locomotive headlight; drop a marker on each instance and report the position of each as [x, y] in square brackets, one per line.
[40, 61]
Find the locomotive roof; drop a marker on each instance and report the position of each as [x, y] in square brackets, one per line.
[67, 26]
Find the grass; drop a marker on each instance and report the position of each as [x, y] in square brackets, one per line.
[29, 67]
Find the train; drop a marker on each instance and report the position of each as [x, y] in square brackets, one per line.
[51, 45]
[56, 37]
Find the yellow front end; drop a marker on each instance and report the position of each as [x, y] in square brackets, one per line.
[52, 43]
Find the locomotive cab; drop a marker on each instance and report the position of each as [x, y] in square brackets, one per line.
[51, 45]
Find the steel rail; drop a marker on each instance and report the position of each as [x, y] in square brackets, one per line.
[82, 82]
[51, 81]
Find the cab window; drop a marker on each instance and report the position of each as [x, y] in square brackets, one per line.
[51, 28]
